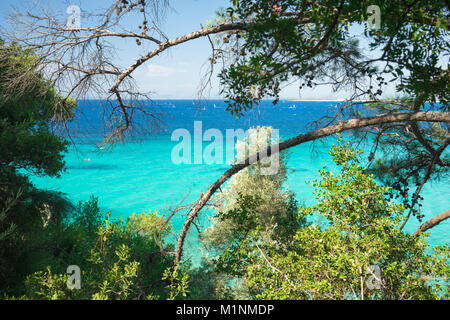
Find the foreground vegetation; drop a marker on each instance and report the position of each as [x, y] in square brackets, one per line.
[261, 244]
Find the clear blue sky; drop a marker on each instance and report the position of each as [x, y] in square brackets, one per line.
[177, 72]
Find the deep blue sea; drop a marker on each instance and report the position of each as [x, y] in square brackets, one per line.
[139, 176]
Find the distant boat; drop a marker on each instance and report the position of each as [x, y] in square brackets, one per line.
[292, 107]
[173, 106]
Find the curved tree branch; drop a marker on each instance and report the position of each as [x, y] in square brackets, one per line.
[176, 41]
[431, 116]
[432, 222]
[436, 157]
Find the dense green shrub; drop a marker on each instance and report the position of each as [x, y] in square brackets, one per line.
[337, 260]
[119, 260]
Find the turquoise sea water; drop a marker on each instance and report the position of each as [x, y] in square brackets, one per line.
[139, 175]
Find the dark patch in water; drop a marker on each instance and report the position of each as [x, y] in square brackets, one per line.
[87, 141]
[93, 167]
[298, 169]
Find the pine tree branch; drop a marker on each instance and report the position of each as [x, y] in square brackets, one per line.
[432, 222]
